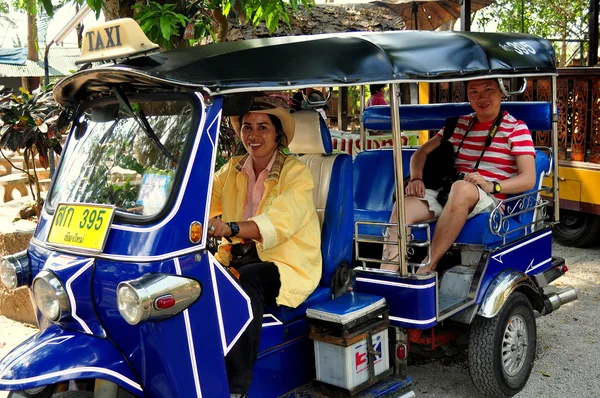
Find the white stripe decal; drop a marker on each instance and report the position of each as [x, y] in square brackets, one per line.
[186, 178]
[52, 341]
[274, 323]
[531, 268]
[416, 322]
[398, 284]
[210, 182]
[72, 297]
[217, 303]
[122, 258]
[190, 339]
[498, 257]
[217, 265]
[84, 369]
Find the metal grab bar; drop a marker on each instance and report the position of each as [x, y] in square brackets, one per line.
[385, 241]
[514, 207]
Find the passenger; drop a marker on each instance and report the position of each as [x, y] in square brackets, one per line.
[266, 197]
[377, 92]
[507, 167]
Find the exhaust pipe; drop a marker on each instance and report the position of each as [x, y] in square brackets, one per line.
[554, 301]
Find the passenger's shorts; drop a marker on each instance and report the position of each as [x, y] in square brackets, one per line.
[486, 202]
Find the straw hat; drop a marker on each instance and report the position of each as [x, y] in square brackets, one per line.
[270, 107]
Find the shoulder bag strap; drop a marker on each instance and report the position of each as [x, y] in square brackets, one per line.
[490, 137]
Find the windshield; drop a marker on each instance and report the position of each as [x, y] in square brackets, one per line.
[112, 158]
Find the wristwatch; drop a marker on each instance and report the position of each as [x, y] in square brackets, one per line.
[497, 187]
[235, 228]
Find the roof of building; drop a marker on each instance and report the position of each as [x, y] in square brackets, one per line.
[61, 62]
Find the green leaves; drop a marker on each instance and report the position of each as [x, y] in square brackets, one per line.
[161, 22]
[558, 19]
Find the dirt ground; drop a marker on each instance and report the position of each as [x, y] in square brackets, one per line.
[568, 344]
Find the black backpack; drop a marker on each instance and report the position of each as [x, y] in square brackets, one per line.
[439, 165]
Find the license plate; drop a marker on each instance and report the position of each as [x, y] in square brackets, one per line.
[81, 226]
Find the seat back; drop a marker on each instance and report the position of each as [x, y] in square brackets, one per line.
[332, 174]
[373, 183]
[377, 204]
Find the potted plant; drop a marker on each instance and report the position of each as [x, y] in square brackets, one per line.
[28, 123]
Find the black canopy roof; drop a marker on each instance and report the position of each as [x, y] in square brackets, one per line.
[322, 60]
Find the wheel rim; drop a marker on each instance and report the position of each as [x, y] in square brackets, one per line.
[514, 345]
[571, 220]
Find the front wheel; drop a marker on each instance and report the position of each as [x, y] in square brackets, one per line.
[39, 392]
[502, 349]
[577, 229]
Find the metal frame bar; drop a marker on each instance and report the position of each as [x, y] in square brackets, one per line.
[398, 173]
[554, 143]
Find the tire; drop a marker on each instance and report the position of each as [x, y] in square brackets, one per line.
[41, 392]
[74, 394]
[577, 229]
[515, 323]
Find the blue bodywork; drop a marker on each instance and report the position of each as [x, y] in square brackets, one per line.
[183, 356]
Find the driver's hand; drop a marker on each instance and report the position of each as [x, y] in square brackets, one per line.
[218, 229]
[415, 188]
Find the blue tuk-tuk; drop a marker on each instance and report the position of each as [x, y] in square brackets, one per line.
[130, 300]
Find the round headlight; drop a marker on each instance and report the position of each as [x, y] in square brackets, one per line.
[50, 296]
[130, 304]
[8, 274]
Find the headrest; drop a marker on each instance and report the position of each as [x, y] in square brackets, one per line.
[312, 135]
[536, 115]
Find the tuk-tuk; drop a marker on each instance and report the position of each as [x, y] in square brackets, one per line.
[130, 300]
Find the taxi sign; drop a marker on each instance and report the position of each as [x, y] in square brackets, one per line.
[119, 38]
[81, 226]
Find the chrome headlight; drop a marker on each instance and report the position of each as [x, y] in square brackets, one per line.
[50, 296]
[155, 297]
[14, 270]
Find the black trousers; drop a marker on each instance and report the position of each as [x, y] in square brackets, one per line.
[261, 283]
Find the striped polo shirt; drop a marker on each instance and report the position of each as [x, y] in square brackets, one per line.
[499, 160]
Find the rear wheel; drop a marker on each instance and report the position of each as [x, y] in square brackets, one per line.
[502, 349]
[577, 229]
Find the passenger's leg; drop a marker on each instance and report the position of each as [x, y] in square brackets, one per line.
[261, 283]
[417, 210]
[462, 199]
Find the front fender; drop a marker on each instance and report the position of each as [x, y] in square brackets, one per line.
[56, 355]
[501, 288]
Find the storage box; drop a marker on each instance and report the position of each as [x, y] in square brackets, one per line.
[347, 367]
[340, 329]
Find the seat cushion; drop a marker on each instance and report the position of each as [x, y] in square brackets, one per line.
[287, 314]
[476, 231]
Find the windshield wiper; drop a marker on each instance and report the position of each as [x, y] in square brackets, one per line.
[142, 122]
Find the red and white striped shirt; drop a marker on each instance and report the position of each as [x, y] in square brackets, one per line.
[499, 160]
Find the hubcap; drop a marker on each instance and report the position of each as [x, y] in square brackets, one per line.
[514, 345]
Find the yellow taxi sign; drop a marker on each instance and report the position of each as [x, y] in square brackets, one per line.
[81, 226]
[119, 38]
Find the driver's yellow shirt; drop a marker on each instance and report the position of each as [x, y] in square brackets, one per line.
[286, 218]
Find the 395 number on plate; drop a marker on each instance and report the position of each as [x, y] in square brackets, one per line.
[82, 226]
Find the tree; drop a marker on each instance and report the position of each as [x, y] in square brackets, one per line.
[181, 23]
[558, 20]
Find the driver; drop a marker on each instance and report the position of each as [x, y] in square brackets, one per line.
[266, 198]
[507, 166]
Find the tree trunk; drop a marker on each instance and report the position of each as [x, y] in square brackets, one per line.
[223, 24]
[32, 39]
[114, 9]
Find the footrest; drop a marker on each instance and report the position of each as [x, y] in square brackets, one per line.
[347, 311]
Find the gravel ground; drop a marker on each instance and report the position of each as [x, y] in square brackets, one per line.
[568, 349]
